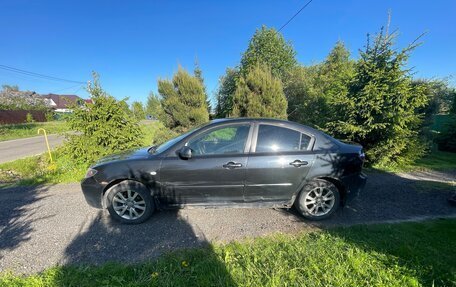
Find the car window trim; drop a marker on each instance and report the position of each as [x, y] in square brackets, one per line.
[208, 129]
[281, 125]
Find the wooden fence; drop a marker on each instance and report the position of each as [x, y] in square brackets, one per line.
[20, 116]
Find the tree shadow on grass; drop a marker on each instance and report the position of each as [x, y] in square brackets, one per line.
[132, 251]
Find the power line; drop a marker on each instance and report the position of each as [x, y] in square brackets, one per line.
[303, 7]
[68, 88]
[23, 72]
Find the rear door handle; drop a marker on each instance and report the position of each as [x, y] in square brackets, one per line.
[232, 164]
[298, 163]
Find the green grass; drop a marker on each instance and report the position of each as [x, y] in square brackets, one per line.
[406, 254]
[435, 160]
[10, 132]
[38, 170]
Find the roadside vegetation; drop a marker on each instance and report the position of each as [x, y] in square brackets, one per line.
[406, 254]
[433, 161]
[17, 131]
[38, 170]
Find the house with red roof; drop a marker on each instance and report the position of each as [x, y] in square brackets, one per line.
[63, 103]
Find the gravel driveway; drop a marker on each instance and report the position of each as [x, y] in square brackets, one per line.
[44, 226]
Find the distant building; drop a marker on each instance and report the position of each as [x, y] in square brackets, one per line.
[63, 103]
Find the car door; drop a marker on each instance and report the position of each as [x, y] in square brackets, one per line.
[215, 173]
[279, 161]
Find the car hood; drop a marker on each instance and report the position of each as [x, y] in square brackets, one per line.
[141, 153]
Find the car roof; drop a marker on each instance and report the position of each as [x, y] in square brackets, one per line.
[266, 120]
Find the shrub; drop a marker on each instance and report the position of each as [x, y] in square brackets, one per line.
[49, 116]
[29, 118]
[260, 94]
[183, 101]
[102, 127]
[381, 109]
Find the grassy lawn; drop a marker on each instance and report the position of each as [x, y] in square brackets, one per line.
[10, 132]
[436, 160]
[37, 170]
[407, 254]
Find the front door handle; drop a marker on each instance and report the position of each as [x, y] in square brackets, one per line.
[232, 164]
[298, 163]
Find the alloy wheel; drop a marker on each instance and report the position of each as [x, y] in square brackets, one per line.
[319, 201]
[129, 204]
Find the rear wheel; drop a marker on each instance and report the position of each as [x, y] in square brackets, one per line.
[130, 202]
[318, 200]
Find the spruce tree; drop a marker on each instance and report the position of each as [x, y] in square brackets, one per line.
[183, 101]
[259, 94]
[381, 107]
[198, 73]
[101, 127]
[138, 111]
[225, 93]
[268, 46]
[153, 106]
[310, 89]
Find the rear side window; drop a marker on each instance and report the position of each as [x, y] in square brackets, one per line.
[276, 139]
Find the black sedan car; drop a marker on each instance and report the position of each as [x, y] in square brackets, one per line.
[230, 162]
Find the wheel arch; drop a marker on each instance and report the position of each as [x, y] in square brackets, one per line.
[104, 201]
[339, 185]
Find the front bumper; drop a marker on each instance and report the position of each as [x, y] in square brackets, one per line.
[93, 192]
[354, 184]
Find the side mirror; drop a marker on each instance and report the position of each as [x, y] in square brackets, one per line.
[185, 152]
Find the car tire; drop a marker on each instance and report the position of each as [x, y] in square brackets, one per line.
[318, 200]
[130, 202]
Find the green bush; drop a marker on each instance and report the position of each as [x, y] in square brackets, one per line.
[183, 101]
[163, 134]
[49, 116]
[260, 94]
[29, 118]
[102, 127]
[381, 109]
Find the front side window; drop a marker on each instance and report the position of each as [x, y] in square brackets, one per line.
[224, 140]
[278, 139]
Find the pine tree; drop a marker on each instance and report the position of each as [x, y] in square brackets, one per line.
[380, 109]
[137, 109]
[225, 93]
[102, 127]
[310, 89]
[153, 106]
[198, 73]
[183, 101]
[268, 46]
[259, 94]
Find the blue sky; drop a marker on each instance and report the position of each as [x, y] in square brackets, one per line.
[132, 44]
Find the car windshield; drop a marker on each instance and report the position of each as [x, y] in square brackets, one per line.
[166, 145]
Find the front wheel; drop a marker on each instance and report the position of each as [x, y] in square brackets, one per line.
[130, 202]
[318, 200]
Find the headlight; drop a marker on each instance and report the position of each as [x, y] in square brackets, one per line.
[91, 172]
